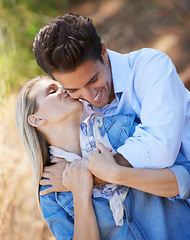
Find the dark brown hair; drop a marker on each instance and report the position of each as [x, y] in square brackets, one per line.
[67, 42]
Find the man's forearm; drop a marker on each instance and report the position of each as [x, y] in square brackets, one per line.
[161, 182]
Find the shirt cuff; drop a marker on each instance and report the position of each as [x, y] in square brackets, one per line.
[138, 159]
[183, 181]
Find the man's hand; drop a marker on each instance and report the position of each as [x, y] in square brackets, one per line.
[119, 160]
[54, 174]
[102, 164]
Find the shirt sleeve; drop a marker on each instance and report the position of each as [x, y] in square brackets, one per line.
[159, 93]
[181, 169]
[59, 221]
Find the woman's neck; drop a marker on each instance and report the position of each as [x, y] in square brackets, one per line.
[65, 135]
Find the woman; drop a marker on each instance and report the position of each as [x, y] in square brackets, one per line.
[46, 116]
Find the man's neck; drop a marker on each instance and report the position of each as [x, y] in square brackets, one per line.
[112, 94]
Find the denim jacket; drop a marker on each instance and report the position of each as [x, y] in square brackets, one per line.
[146, 216]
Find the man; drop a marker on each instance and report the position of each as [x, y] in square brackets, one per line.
[144, 83]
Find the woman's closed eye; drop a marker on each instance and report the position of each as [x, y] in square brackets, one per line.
[51, 91]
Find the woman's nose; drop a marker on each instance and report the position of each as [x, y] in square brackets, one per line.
[63, 90]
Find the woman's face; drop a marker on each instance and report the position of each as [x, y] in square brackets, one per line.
[54, 103]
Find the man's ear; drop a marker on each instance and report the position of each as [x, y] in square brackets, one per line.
[36, 121]
[104, 53]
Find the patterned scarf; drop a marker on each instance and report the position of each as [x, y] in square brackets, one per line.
[91, 130]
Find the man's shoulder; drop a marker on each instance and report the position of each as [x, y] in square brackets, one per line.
[147, 58]
[142, 51]
[142, 55]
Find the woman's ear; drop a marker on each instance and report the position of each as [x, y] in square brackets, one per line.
[104, 53]
[36, 121]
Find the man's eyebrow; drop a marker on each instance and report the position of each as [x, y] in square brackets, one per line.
[92, 78]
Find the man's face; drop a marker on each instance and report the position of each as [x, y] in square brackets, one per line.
[91, 81]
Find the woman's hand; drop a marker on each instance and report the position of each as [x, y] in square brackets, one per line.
[78, 178]
[102, 164]
[53, 176]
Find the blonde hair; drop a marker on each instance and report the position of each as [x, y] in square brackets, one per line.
[34, 142]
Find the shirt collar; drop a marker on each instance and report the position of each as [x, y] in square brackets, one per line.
[120, 68]
[109, 109]
[59, 152]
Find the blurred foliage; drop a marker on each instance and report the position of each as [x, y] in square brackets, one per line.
[124, 25]
[20, 20]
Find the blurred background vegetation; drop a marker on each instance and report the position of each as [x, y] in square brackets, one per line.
[19, 22]
[125, 25]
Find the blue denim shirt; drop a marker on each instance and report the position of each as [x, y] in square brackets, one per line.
[146, 216]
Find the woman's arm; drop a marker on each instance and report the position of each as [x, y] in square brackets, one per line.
[85, 226]
[161, 182]
[60, 221]
[79, 180]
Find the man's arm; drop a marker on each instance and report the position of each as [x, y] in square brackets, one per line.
[161, 182]
[158, 96]
[53, 175]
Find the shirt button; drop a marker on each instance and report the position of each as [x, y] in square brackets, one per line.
[72, 208]
[130, 219]
[107, 204]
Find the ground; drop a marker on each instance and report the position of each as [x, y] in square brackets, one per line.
[124, 26]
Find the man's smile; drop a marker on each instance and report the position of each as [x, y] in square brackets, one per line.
[98, 96]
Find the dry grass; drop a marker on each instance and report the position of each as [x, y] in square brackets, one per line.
[124, 26]
[19, 217]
